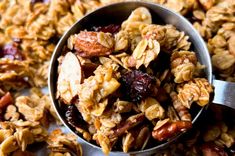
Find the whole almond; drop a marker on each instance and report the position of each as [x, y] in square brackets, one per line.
[87, 44]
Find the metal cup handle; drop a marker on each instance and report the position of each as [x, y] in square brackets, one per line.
[224, 93]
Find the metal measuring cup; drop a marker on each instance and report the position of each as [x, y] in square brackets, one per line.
[224, 93]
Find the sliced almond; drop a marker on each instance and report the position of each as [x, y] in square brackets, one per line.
[70, 76]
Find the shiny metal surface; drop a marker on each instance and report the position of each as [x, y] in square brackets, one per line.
[117, 13]
[224, 93]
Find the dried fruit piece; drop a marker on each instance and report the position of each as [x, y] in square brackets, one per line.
[89, 44]
[11, 51]
[137, 85]
[74, 117]
[69, 80]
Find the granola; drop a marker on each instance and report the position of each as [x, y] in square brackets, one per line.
[29, 22]
[123, 95]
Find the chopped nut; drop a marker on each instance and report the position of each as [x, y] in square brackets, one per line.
[69, 80]
[172, 114]
[130, 123]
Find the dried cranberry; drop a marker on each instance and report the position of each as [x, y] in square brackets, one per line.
[11, 51]
[74, 117]
[137, 85]
[112, 28]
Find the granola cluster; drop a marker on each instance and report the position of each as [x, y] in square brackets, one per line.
[125, 97]
[24, 121]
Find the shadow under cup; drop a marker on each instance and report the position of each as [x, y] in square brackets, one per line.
[116, 14]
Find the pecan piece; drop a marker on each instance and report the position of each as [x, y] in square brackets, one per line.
[169, 129]
[89, 44]
[128, 124]
[180, 108]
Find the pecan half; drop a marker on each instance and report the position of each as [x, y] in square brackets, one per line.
[170, 129]
[89, 44]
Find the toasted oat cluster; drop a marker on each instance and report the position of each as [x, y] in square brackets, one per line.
[63, 144]
[132, 85]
